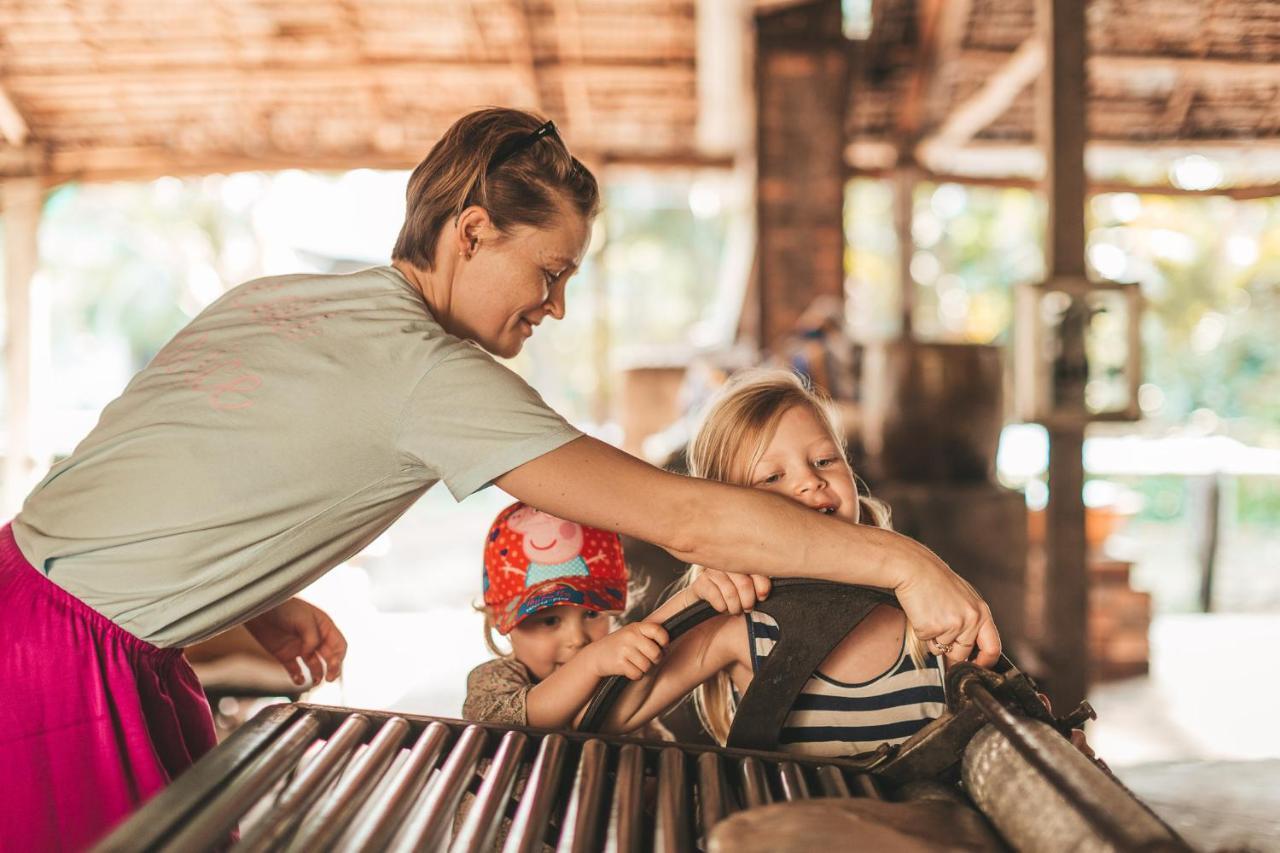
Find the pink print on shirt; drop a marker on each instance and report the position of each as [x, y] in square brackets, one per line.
[219, 372]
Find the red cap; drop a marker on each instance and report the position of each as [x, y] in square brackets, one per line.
[533, 560]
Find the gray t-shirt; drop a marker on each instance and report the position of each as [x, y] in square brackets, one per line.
[276, 435]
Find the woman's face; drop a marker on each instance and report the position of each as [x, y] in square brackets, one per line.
[507, 284]
[803, 463]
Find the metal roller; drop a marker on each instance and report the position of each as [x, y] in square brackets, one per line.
[671, 833]
[530, 824]
[375, 825]
[582, 817]
[482, 821]
[432, 815]
[327, 821]
[627, 812]
[306, 788]
[213, 825]
[1043, 794]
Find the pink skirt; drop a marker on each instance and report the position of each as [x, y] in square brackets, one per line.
[93, 721]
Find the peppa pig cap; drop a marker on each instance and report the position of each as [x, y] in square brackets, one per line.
[534, 560]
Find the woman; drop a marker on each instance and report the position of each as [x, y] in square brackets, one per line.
[295, 419]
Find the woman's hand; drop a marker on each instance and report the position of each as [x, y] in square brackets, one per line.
[949, 614]
[632, 650]
[296, 630]
[730, 593]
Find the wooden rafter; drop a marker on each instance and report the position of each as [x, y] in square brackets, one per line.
[524, 59]
[573, 84]
[988, 103]
[13, 127]
[953, 25]
[912, 111]
[147, 162]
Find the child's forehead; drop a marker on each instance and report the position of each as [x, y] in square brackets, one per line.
[798, 434]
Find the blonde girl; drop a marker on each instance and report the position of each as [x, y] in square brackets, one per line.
[880, 684]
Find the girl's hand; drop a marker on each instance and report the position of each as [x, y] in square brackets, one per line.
[632, 650]
[729, 592]
[295, 630]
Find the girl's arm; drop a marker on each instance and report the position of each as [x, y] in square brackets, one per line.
[631, 651]
[717, 644]
[739, 529]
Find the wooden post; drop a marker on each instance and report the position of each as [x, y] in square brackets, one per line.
[802, 73]
[602, 344]
[1206, 505]
[1061, 126]
[904, 192]
[20, 202]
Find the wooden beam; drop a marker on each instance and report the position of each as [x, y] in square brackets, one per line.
[569, 53]
[912, 110]
[13, 127]
[147, 163]
[723, 89]
[905, 179]
[1191, 68]
[20, 203]
[29, 161]
[1060, 128]
[143, 81]
[953, 27]
[525, 58]
[1240, 193]
[981, 161]
[988, 103]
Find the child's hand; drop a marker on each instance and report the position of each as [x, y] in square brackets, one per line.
[730, 593]
[632, 650]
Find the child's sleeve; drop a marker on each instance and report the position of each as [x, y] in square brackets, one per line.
[498, 692]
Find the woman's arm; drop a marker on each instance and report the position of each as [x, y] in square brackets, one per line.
[714, 645]
[738, 529]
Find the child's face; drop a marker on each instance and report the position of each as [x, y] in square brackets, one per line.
[548, 638]
[803, 463]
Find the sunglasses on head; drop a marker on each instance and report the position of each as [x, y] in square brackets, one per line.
[510, 149]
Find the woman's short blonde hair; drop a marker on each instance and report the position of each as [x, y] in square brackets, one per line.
[730, 439]
[526, 188]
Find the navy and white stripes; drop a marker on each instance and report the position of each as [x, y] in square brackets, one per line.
[833, 718]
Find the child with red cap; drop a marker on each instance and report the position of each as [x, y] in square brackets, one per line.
[550, 586]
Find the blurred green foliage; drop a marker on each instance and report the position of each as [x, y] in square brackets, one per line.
[1209, 268]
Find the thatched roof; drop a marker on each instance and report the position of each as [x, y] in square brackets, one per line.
[1165, 76]
[138, 87]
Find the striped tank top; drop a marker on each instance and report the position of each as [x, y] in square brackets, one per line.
[832, 718]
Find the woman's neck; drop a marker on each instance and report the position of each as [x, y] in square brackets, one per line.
[435, 285]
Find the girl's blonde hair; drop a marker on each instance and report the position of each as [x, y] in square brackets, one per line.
[465, 168]
[732, 436]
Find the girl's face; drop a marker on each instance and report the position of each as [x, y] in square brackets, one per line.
[803, 463]
[549, 638]
[509, 283]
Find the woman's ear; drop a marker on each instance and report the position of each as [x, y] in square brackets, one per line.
[472, 224]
